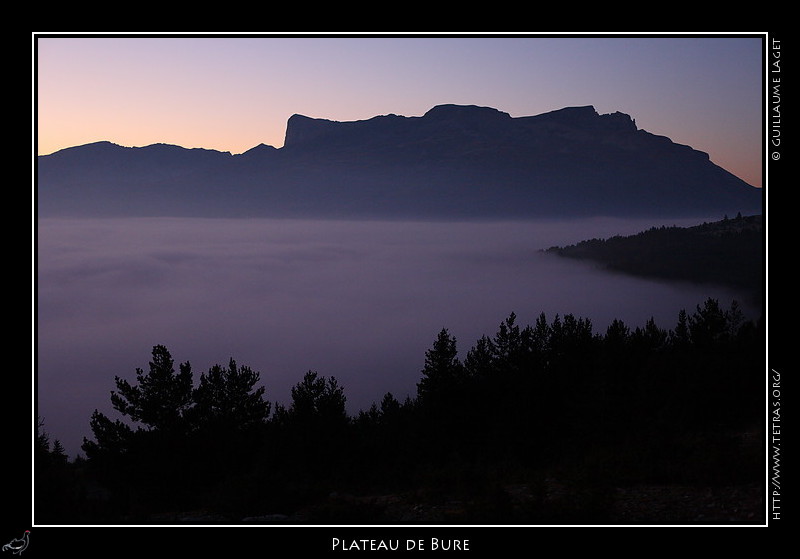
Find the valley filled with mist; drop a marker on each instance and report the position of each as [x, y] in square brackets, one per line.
[357, 300]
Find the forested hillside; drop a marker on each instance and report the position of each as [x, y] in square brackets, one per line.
[728, 252]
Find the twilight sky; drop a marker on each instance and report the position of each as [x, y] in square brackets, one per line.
[230, 94]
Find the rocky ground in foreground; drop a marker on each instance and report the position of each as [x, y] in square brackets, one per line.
[550, 501]
[524, 505]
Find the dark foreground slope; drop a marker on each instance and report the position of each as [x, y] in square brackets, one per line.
[547, 423]
[452, 162]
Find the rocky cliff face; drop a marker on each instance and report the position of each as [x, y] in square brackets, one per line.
[454, 161]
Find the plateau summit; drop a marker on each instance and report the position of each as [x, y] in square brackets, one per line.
[454, 162]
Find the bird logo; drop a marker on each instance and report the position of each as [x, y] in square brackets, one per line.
[18, 545]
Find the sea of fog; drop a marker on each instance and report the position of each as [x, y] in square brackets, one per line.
[360, 301]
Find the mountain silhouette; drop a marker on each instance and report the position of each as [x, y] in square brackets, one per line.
[455, 161]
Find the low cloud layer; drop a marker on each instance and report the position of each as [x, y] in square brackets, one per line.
[360, 301]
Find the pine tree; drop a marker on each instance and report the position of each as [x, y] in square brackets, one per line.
[509, 346]
[318, 400]
[479, 362]
[442, 372]
[161, 397]
[159, 401]
[58, 453]
[228, 398]
[680, 336]
[709, 324]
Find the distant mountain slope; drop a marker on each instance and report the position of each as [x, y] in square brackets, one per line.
[453, 162]
[727, 252]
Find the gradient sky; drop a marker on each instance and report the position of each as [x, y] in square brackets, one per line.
[231, 94]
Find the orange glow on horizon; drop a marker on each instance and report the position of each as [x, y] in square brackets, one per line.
[234, 94]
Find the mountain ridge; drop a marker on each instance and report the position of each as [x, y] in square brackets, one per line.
[453, 161]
